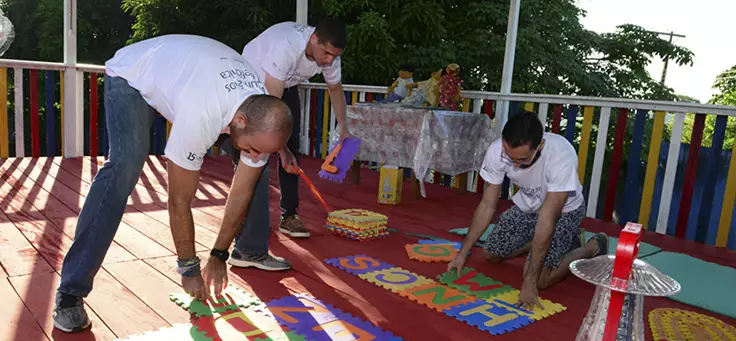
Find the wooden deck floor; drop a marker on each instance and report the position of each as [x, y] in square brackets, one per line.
[41, 198]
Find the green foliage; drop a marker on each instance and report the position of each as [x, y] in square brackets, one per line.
[229, 21]
[102, 28]
[554, 53]
[725, 84]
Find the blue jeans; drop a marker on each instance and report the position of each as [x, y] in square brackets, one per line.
[252, 241]
[391, 97]
[128, 121]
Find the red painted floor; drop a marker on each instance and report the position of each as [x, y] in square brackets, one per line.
[42, 197]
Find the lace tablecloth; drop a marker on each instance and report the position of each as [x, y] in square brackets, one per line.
[421, 139]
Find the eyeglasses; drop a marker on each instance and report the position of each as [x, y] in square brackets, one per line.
[526, 162]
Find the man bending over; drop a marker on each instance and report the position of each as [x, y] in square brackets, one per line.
[547, 211]
[205, 89]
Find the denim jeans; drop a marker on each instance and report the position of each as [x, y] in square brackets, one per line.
[289, 183]
[252, 241]
[128, 120]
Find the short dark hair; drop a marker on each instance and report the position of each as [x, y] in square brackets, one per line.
[523, 129]
[332, 30]
[266, 113]
[407, 68]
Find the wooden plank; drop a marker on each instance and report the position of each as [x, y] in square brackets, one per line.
[17, 255]
[650, 176]
[707, 233]
[542, 115]
[21, 325]
[312, 151]
[209, 188]
[35, 134]
[631, 187]
[529, 106]
[19, 113]
[148, 183]
[306, 113]
[55, 213]
[4, 138]
[207, 220]
[724, 223]
[61, 101]
[134, 216]
[50, 113]
[93, 114]
[584, 142]
[121, 309]
[38, 292]
[616, 155]
[556, 118]
[691, 170]
[572, 118]
[600, 155]
[670, 171]
[56, 184]
[50, 242]
[324, 146]
[204, 211]
[138, 276]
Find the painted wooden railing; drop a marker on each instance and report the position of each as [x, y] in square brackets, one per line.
[684, 190]
[664, 190]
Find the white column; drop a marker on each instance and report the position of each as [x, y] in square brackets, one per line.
[73, 124]
[502, 109]
[302, 7]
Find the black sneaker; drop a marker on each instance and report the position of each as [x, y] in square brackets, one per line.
[69, 314]
[266, 262]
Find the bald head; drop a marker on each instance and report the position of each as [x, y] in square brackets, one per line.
[266, 113]
[261, 125]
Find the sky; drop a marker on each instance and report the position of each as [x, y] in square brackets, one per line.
[708, 25]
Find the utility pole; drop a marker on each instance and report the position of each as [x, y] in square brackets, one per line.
[666, 59]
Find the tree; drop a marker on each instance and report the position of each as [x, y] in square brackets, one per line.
[555, 54]
[725, 86]
[102, 28]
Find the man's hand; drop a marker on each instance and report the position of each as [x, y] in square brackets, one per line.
[194, 286]
[215, 272]
[529, 296]
[288, 161]
[457, 263]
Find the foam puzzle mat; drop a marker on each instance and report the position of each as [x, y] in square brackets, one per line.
[238, 315]
[431, 252]
[358, 224]
[474, 283]
[677, 324]
[472, 297]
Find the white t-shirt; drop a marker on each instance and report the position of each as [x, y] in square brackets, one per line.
[196, 83]
[401, 89]
[280, 52]
[556, 170]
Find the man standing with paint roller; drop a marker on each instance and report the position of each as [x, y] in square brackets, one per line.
[284, 56]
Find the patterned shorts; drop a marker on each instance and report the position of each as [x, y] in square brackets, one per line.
[515, 228]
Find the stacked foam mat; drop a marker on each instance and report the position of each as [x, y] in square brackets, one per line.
[358, 224]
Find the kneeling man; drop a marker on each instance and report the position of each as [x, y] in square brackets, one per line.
[547, 211]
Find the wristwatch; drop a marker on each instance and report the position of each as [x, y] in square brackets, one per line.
[222, 255]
